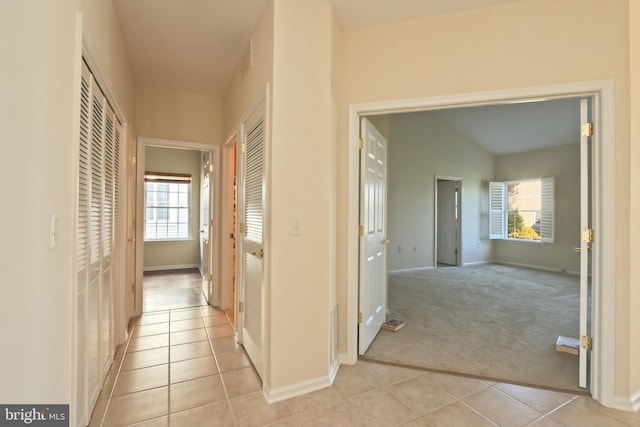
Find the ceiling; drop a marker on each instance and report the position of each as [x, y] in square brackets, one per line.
[196, 45]
[514, 128]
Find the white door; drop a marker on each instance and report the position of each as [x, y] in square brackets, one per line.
[205, 225]
[448, 222]
[585, 239]
[373, 239]
[251, 197]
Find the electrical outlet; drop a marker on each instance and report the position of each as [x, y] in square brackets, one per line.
[400, 249]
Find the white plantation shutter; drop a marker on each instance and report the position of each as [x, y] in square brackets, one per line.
[253, 184]
[497, 217]
[547, 220]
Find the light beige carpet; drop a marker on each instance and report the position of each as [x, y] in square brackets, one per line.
[493, 321]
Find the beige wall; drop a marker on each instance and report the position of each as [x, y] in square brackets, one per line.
[300, 186]
[39, 107]
[634, 226]
[523, 44]
[248, 86]
[181, 116]
[422, 146]
[177, 254]
[563, 164]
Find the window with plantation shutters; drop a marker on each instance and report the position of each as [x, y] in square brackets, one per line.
[522, 210]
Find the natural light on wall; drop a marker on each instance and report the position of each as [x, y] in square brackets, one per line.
[167, 205]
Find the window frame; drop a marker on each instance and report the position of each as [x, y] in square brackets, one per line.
[169, 179]
[499, 210]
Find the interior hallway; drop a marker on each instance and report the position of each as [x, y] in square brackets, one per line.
[184, 368]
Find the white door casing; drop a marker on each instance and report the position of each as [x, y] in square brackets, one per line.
[205, 225]
[585, 245]
[373, 238]
[602, 93]
[251, 198]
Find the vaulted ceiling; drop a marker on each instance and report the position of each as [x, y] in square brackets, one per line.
[196, 45]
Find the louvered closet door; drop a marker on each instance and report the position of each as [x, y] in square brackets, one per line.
[252, 205]
[82, 243]
[107, 238]
[97, 243]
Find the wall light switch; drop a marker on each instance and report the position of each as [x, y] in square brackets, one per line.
[295, 226]
[53, 232]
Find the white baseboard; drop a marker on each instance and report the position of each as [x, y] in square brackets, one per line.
[537, 267]
[628, 404]
[171, 267]
[346, 360]
[298, 389]
[469, 264]
[408, 270]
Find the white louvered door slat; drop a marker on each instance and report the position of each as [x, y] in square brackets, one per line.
[252, 208]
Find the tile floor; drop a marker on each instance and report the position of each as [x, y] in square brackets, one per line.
[183, 368]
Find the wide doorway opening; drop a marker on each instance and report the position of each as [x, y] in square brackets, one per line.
[513, 255]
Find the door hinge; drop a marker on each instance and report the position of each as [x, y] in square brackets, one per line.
[243, 148]
[361, 230]
[241, 228]
[586, 342]
[210, 278]
[361, 143]
[587, 129]
[240, 307]
[359, 317]
[133, 288]
[587, 235]
[211, 223]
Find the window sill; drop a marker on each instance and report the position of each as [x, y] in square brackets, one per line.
[522, 241]
[170, 241]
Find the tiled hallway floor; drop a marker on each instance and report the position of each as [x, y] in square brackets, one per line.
[183, 368]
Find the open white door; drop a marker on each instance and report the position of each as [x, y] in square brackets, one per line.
[373, 239]
[251, 231]
[586, 239]
[448, 222]
[205, 225]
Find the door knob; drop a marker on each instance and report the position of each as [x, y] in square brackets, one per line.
[384, 241]
[259, 254]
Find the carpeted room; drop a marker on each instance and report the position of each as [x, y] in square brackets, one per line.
[497, 316]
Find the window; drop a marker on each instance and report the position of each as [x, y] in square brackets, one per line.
[167, 206]
[522, 210]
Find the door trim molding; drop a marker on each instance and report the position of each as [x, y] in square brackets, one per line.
[603, 93]
[144, 142]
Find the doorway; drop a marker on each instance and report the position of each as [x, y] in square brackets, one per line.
[448, 235]
[182, 254]
[601, 92]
